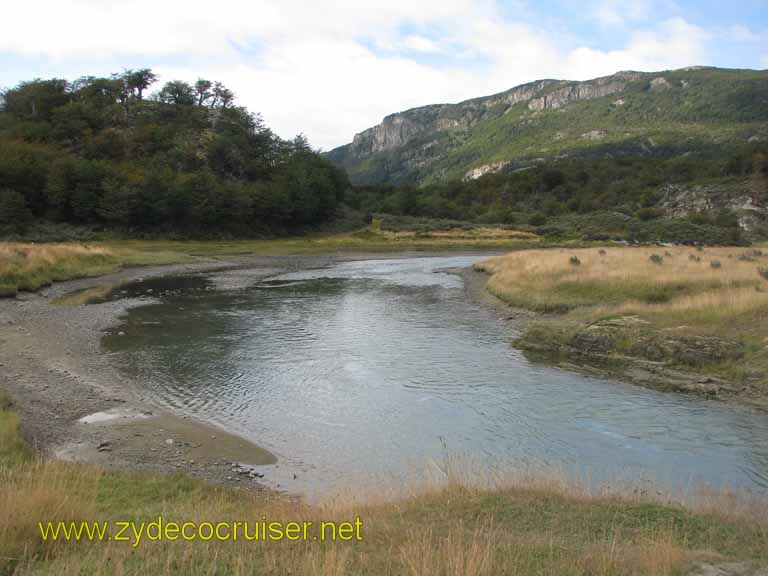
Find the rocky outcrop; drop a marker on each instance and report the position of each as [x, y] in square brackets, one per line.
[748, 199]
[476, 173]
[615, 115]
[578, 91]
[398, 129]
[633, 348]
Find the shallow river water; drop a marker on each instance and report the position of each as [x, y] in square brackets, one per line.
[366, 371]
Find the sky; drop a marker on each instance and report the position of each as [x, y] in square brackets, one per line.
[331, 68]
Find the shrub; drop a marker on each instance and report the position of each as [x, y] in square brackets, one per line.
[537, 220]
[602, 252]
[715, 264]
[656, 259]
[694, 258]
[575, 261]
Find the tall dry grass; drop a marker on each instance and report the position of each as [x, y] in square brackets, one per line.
[709, 284]
[30, 266]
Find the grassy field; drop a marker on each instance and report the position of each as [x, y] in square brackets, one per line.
[27, 267]
[31, 266]
[457, 528]
[640, 297]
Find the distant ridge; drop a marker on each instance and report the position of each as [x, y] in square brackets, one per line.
[645, 113]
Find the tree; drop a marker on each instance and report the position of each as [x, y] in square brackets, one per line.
[36, 99]
[136, 81]
[203, 91]
[222, 96]
[14, 212]
[178, 93]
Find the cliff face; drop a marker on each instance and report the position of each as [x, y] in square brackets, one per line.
[556, 118]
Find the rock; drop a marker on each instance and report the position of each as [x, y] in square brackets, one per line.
[121, 333]
[726, 569]
[169, 441]
[105, 446]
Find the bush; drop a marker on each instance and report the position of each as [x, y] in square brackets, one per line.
[656, 259]
[716, 264]
[575, 261]
[537, 220]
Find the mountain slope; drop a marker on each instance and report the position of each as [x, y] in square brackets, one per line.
[648, 114]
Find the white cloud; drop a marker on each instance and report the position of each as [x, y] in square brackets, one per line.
[331, 69]
[741, 33]
[674, 44]
[421, 44]
[617, 13]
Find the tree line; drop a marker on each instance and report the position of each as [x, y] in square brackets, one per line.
[103, 152]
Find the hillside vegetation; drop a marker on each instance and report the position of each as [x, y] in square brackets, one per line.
[678, 157]
[630, 113]
[99, 154]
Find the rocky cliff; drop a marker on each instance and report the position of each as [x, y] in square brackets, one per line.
[645, 112]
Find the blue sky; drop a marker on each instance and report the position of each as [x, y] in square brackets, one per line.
[332, 68]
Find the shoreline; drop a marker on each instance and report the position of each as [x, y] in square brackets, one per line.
[56, 374]
[632, 370]
[53, 369]
[75, 406]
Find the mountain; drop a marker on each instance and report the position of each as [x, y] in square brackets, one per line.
[660, 114]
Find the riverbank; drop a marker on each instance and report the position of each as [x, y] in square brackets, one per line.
[53, 366]
[26, 267]
[463, 525]
[123, 467]
[676, 319]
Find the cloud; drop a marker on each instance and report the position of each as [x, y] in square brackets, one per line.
[674, 44]
[331, 69]
[420, 44]
[741, 33]
[618, 13]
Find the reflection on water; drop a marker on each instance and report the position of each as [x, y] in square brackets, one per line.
[368, 369]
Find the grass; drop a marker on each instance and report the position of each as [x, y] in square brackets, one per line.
[515, 525]
[28, 267]
[674, 293]
[647, 279]
[32, 266]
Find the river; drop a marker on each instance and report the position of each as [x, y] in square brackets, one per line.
[364, 372]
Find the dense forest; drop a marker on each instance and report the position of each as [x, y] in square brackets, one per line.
[102, 153]
[105, 156]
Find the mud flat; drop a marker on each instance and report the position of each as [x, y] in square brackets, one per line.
[74, 405]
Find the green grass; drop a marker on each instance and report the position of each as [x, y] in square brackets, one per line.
[543, 526]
